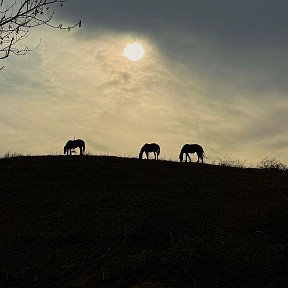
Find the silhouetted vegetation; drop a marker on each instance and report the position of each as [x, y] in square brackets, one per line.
[272, 163]
[97, 221]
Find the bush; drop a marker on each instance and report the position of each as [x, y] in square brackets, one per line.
[272, 163]
[10, 155]
[227, 161]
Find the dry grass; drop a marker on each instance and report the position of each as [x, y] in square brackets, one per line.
[99, 221]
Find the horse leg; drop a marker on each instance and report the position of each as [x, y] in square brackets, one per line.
[188, 157]
[81, 153]
[155, 156]
[147, 155]
[202, 158]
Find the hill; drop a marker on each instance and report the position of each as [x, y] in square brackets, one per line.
[97, 221]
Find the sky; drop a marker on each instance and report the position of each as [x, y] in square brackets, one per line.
[213, 73]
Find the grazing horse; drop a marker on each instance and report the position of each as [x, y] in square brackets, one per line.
[72, 144]
[191, 148]
[153, 147]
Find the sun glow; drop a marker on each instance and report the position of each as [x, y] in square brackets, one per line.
[133, 51]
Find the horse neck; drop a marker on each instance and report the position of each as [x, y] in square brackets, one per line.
[67, 146]
[141, 152]
[183, 150]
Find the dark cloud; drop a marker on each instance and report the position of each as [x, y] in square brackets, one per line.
[240, 42]
[245, 20]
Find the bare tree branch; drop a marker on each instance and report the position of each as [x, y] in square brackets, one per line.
[19, 17]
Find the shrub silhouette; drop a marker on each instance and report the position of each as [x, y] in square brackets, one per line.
[272, 163]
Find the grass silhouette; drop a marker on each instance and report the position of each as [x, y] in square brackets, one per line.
[98, 221]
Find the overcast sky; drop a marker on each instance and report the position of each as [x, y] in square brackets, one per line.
[213, 73]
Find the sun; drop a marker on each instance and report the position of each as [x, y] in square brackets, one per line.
[133, 51]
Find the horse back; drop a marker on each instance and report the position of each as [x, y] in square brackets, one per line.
[151, 147]
[192, 148]
[72, 144]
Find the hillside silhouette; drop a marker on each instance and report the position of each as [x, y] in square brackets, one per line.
[98, 221]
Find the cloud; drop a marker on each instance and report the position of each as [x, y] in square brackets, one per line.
[207, 77]
[100, 96]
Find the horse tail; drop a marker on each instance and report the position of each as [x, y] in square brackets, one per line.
[202, 153]
[158, 151]
[83, 146]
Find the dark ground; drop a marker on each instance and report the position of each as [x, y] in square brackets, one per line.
[100, 222]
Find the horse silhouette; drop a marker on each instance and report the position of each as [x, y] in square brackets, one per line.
[191, 148]
[147, 148]
[72, 144]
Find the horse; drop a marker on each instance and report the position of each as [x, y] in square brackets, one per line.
[72, 144]
[191, 148]
[153, 147]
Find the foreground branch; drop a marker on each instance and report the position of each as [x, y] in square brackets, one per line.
[19, 17]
